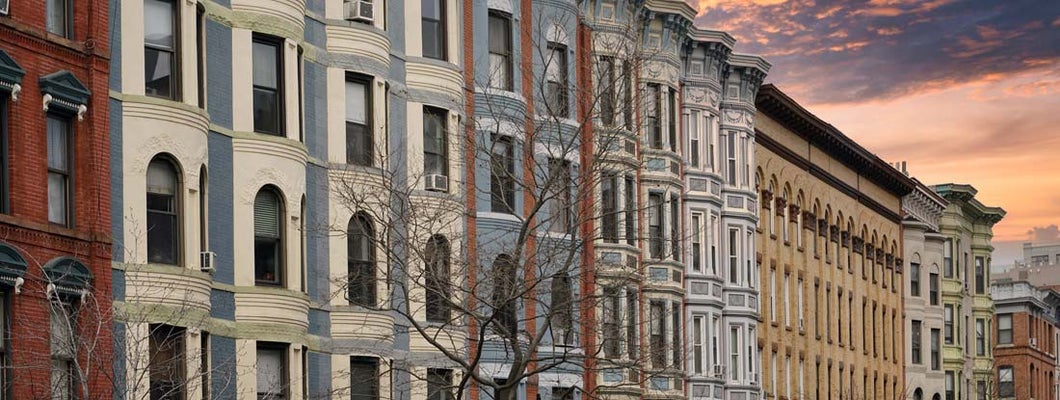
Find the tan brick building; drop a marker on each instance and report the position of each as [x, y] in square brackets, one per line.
[829, 259]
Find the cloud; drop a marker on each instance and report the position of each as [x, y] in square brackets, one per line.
[1044, 234]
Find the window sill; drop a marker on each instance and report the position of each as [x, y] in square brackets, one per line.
[774, 324]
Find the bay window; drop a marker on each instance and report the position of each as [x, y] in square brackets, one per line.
[556, 80]
[360, 141]
[435, 145]
[433, 28]
[163, 218]
[268, 76]
[268, 237]
[655, 229]
[609, 208]
[361, 261]
[161, 28]
[500, 50]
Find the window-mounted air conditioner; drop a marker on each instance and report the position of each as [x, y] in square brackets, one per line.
[436, 183]
[207, 260]
[357, 10]
[719, 371]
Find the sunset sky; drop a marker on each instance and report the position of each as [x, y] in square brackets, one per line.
[964, 91]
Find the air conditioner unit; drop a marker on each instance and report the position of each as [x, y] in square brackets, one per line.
[436, 183]
[357, 10]
[207, 260]
[719, 371]
[1034, 342]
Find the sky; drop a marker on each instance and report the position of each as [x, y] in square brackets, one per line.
[964, 91]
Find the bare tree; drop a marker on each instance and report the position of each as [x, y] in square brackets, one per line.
[523, 293]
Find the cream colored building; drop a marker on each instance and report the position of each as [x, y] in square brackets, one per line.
[968, 310]
[828, 245]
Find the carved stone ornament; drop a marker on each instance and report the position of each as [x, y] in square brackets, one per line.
[899, 267]
[845, 238]
[890, 259]
[781, 203]
[822, 228]
[834, 233]
[879, 256]
[859, 245]
[767, 196]
[793, 210]
[868, 250]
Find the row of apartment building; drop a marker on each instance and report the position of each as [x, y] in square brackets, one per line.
[295, 199]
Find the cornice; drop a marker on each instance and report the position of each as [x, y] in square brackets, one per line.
[782, 108]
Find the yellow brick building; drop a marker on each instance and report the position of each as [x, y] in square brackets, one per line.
[829, 254]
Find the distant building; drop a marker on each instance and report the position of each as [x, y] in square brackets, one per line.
[1028, 343]
[1040, 266]
[967, 308]
[828, 248]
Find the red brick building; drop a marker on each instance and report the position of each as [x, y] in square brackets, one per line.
[1025, 326]
[55, 249]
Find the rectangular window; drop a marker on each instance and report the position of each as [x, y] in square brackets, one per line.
[653, 115]
[980, 276]
[697, 242]
[556, 76]
[433, 28]
[632, 339]
[698, 349]
[439, 384]
[1004, 329]
[60, 170]
[436, 145]
[627, 95]
[933, 288]
[673, 113]
[560, 303]
[675, 229]
[950, 386]
[773, 295]
[5, 157]
[609, 208]
[272, 371]
[560, 202]
[360, 143]
[675, 334]
[563, 393]
[657, 332]
[787, 301]
[166, 358]
[161, 30]
[502, 175]
[948, 323]
[915, 342]
[630, 212]
[713, 231]
[500, 47]
[799, 289]
[655, 220]
[828, 313]
[734, 263]
[200, 42]
[60, 14]
[607, 83]
[936, 357]
[268, 85]
[947, 259]
[711, 130]
[730, 168]
[692, 126]
[715, 340]
[914, 279]
[1006, 384]
[612, 317]
[734, 353]
[364, 378]
[63, 325]
[980, 337]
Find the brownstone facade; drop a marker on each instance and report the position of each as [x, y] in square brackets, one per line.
[55, 253]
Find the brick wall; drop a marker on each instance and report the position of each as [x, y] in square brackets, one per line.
[1022, 357]
[23, 36]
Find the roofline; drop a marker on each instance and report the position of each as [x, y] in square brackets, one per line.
[793, 116]
[749, 61]
[673, 6]
[707, 35]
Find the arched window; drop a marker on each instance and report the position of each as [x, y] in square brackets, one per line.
[504, 295]
[268, 237]
[801, 203]
[360, 259]
[918, 394]
[163, 212]
[436, 262]
[914, 275]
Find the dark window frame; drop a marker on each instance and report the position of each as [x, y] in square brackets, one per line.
[915, 342]
[176, 386]
[367, 388]
[561, 296]
[438, 279]
[914, 279]
[175, 80]
[653, 111]
[279, 242]
[442, 381]
[561, 200]
[1005, 336]
[630, 210]
[67, 175]
[556, 97]
[175, 214]
[361, 152]
[440, 33]
[200, 42]
[503, 297]
[656, 216]
[361, 272]
[441, 155]
[504, 49]
[933, 289]
[609, 207]
[68, 18]
[502, 175]
[280, 119]
[606, 67]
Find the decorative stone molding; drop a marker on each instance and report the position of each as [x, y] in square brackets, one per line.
[845, 238]
[833, 233]
[859, 244]
[10, 75]
[822, 227]
[793, 211]
[64, 91]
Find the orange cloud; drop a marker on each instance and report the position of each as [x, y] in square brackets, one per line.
[888, 31]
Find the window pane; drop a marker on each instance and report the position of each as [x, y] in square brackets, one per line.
[356, 102]
[270, 373]
[364, 378]
[57, 198]
[166, 346]
[58, 131]
[158, 67]
[265, 62]
[158, 23]
[266, 110]
[57, 13]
